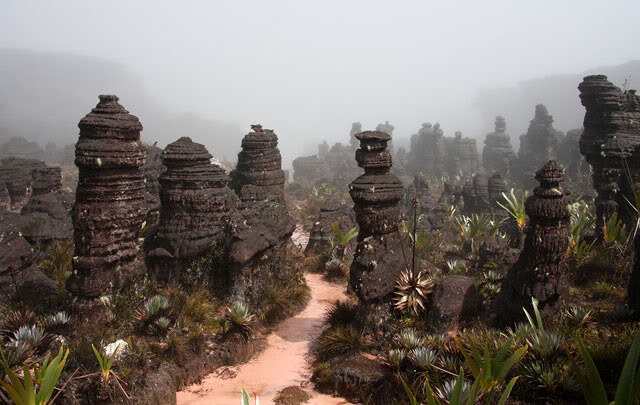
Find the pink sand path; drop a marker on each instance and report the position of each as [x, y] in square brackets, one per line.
[283, 363]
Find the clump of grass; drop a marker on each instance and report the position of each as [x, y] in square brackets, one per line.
[342, 313]
[292, 396]
[340, 341]
[57, 262]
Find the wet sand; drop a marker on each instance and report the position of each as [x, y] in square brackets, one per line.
[283, 363]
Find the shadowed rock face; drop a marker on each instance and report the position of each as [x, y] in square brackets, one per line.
[537, 146]
[498, 154]
[258, 181]
[18, 271]
[540, 269]
[569, 154]
[46, 180]
[481, 188]
[46, 215]
[152, 169]
[611, 145]
[16, 174]
[332, 213]
[195, 202]
[376, 194]
[110, 207]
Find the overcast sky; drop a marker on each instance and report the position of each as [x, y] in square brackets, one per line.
[310, 68]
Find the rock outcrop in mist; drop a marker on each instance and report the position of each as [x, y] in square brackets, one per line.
[44, 93]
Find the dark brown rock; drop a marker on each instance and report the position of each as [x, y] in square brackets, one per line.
[16, 175]
[152, 169]
[110, 206]
[455, 301]
[611, 145]
[498, 154]
[540, 269]
[376, 194]
[258, 181]
[18, 273]
[332, 213]
[195, 203]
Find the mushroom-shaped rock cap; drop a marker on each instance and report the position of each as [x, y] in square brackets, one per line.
[550, 174]
[109, 114]
[373, 136]
[185, 150]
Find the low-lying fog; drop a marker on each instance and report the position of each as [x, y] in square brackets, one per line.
[307, 69]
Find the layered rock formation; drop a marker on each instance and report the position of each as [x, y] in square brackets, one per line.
[331, 214]
[498, 154]
[462, 155]
[569, 155]
[110, 206]
[152, 169]
[428, 152]
[378, 258]
[310, 169]
[258, 181]
[611, 145]
[18, 272]
[16, 175]
[46, 215]
[195, 205]
[540, 269]
[481, 191]
[496, 187]
[537, 146]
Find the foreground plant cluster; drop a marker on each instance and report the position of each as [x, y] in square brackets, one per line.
[135, 333]
[390, 355]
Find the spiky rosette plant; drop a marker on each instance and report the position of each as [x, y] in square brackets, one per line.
[240, 318]
[14, 320]
[412, 291]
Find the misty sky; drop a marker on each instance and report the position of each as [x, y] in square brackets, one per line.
[310, 68]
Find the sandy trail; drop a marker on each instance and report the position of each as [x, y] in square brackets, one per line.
[283, 363]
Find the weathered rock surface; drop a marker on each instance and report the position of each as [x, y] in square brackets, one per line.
[152, 169]
[455, 301]
[16, 175]
[110, 206]
[258, 181]
[332, 213]
[540, 269]
[378, 258]
[611, 145]
[46, 215]
[498, 154]
[195, 203]
[18, 273]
